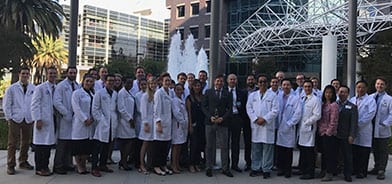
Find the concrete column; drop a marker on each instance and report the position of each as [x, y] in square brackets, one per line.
[352, 45]
[328, 60]
[214, 40]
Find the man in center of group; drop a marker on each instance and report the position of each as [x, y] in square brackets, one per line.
[217, 107]
[262, 108]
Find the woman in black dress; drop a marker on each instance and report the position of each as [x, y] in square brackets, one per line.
[196, 125]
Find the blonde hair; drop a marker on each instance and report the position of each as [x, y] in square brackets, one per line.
[150, 92]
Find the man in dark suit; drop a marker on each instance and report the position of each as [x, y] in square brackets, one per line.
[347, 126]
[217, 107]
[247, 131]
[237, 119]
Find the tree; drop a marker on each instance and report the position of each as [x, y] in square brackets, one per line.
[154, 67]
[32, 16]
[24, 19]
[121, 66]
[15, 47]
[377, 61]
[50, 52]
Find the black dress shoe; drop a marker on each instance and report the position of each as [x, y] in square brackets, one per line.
[105, 169]
[297, 173]
[228, 173]
[209, 172]
[287, 175]
[374, 171]
[247, 168]
[348, 179]
[306, 177]
[253, 173]
[381, 175]
[360, 176]
[266, 175]
[60, 171]
[26, 165]
[236, 169]
[321, 174]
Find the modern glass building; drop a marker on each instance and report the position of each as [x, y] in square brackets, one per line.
[306, 62]
[105, 35]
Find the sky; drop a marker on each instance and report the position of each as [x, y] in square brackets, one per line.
[158, 7]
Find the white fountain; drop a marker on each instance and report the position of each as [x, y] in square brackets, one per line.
[202, 61]
[175, 57]
[189, 55]
[187, 60]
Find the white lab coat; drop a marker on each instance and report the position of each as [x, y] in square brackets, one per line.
[146, 112]
[98, 84]
[163, 113]
[42, 109]
[62, 102]
[105, 114]
[81, 105]
[382, 128]
[16, 104]
[289, 117]
[126, 108]
[266, 108]
[135, 87]
[180, 121]
[137, 115]
[366, 112]
[308, 124]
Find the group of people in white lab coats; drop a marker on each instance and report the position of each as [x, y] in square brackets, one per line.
[83, 120]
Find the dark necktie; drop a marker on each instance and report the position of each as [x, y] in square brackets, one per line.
[73, 86]
[374, 118]
[24, 88]
[53, 90]
[217, 93]
[261, 96]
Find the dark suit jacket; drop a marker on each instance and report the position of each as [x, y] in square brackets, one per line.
[242, 97]
[348, 120]
[212, 103]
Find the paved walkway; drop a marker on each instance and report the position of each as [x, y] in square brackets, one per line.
[120, 176]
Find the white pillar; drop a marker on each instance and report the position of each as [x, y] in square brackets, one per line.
[328, 60]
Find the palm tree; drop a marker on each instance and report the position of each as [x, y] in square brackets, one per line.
[32, 16]
[50, 52]
[28, 18]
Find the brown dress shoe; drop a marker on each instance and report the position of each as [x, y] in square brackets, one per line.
[10, 170]
[96, 173]
[43, 173]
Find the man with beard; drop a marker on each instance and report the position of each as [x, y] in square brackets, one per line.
[64, 113]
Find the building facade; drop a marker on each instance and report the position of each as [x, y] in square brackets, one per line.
[193, 16]
[105, 35]
[190, 16]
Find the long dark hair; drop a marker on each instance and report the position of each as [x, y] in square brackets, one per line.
[333, 93]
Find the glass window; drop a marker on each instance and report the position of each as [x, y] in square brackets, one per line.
[208, 6]
[195, 32]
[181, 11]
[195, 9]
[207, 31]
